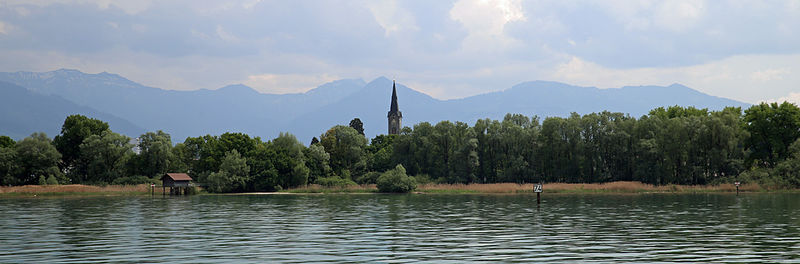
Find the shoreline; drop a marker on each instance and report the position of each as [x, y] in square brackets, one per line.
[620, 187]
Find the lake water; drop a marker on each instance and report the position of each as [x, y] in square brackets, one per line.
[402, 228]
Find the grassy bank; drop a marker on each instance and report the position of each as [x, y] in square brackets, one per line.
[510, 188]
[74, 189]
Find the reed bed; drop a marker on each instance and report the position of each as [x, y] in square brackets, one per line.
[78, 189]
[634, 187]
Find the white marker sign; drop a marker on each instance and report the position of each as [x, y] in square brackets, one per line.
[537, 188]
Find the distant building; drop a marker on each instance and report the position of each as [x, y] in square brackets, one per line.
[395, 116]
[135, 142]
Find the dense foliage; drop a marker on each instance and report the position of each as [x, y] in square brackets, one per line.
[396, 181]
[673, 145]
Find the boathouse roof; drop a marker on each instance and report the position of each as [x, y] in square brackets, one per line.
[178, 176]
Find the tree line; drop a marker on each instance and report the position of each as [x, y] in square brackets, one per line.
[672, 145]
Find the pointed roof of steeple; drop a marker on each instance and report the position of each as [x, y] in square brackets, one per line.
[394, 107]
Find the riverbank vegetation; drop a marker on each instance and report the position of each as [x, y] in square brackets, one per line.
[672, 146]
[74, 189]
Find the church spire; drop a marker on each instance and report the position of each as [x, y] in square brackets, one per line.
[395, 116]
[394, 108]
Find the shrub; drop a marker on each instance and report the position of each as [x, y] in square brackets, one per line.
[219, 182]
[369, 178]
[191, 190]
[423, 179]
[51, 180]
[396, 181]
[335, 181]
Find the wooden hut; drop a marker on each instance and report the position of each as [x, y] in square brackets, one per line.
[178, 183]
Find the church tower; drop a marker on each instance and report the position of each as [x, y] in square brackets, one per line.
[395, 116]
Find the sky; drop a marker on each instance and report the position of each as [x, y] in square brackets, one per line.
[743, 50]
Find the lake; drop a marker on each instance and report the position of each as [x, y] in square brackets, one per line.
[402, 228]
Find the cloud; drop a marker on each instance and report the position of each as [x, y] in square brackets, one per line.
[747, 78]
[746, 50]
[130, 7]
[791, 98]
[679, 15]
[485, 20]
[391, 17]
[769, 74]
[226, 36]
[4, 28]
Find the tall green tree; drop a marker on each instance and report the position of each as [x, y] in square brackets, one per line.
[318, 162]
[233, 174]
[156, 155]
[788, 170]
[8, 166]
[6, 142]
[105, 156]
[379, 153]
[8, 163]
[37, 157]
[75, 129]
[346, 148]
[772, 127]
[357, 125]
[290, 160]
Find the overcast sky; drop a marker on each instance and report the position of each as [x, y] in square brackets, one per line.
[744, 50]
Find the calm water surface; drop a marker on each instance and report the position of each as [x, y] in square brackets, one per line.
[402, 228]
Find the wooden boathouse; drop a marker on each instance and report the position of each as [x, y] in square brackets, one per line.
[178, 183]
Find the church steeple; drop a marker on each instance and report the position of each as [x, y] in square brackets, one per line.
[395, 116]
[394, 107]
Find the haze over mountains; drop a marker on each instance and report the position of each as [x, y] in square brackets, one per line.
[131, 108]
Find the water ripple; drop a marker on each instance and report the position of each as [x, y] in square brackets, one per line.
[402, 228]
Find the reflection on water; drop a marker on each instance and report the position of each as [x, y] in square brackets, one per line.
[402, 228]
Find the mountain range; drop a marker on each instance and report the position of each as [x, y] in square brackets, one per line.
[39, 101]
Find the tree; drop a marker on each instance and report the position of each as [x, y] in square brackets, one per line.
[8, 163]
[6, 142]
[36, 156]
[291, 161]
[181, 158]
[346, 148]
[105, 156]
[75, 129]
[380, 153]
[317, 161]
[8, 166]
[232, 176]
[772, 129]
[156, 154]
[789, 170]
[357, 125]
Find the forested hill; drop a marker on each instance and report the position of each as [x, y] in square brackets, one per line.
[239, 108]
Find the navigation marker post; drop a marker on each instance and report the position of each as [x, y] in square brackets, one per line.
[737, 187]
[537, 188]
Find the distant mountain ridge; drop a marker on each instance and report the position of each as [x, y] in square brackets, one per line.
[23, 112]
[238, 108]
